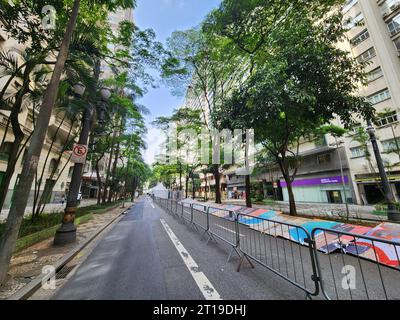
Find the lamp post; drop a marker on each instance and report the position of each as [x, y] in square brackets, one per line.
[393, 214]
[337, 144]
[67, 232]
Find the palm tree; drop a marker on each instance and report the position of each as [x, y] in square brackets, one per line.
[27, 176]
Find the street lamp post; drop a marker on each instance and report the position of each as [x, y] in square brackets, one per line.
[67, 232]
[337, 144]
[393, 214]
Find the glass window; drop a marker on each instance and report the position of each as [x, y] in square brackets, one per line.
[348, 5]
[355, 21]
[391, 145]
[323, 158]
[397, 43]
[357, 152]
[389, 118]
[394, 25]
[5, 150]
[359, 38]
[389, 5]
[374, 74]
[379, 97]
[367, 55]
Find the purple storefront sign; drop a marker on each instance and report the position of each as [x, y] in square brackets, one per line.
[316, 181]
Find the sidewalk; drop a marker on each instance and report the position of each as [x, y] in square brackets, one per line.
[50, 208]
[27, 264]
[320, 210]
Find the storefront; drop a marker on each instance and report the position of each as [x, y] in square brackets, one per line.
[371, 189]
[320, 190]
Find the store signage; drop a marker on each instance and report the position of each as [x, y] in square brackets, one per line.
[317, 181]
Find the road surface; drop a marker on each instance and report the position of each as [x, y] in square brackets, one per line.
[150, 255]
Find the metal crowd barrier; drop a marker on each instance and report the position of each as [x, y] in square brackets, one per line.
[269, 243]
[352, 266]
[223, 226]
[327, 263]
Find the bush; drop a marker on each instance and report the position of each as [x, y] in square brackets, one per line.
[45, 221]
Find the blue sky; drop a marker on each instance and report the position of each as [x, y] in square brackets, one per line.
[164, 17]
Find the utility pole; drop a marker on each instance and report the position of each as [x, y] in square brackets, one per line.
[393, 213]
[337, 144]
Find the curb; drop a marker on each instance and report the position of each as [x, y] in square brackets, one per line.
[28, 290]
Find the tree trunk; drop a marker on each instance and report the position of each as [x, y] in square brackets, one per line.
[186, 187]
[193, 189]
[98, 180]
[180, 176]
[18, 136]
[217, 184]
[23, 188]
[292, 203]
[206, 188]
[248, 190]
[113, 173]
[108, 168]
[11, 163]
[36, 206]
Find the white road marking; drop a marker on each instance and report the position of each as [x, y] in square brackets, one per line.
[205, 286]
[151, 203]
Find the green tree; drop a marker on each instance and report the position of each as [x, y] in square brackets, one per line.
[304, 82]
[33, 152]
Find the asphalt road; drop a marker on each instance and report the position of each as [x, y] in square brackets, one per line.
[151, 255]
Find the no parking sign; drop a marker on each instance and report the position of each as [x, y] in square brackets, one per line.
[79, 153]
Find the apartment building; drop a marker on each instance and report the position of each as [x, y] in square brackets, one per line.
[90, 185]
[373, 37]
[57, 129]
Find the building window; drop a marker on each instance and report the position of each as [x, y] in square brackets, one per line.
[357, 152]
[367, 55]
[324, 158]
[348, 5]
[389, 118]
[374, 74]
[359, 38]
[391, 145]
[379, 96]
[5, 150]
[53, 165]
[397, 43]
[394, 25]
[389, 6]
[354, 21]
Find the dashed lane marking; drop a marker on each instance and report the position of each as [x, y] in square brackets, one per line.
[205, 286]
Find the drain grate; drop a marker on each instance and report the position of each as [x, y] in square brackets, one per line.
[62, 274]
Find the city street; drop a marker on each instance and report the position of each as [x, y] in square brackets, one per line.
[138, 260]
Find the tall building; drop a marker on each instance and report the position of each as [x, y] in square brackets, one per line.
[90, 186]
[58, 129]
[373, 37]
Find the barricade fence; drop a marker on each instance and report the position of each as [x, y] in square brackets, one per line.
[324, 263]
